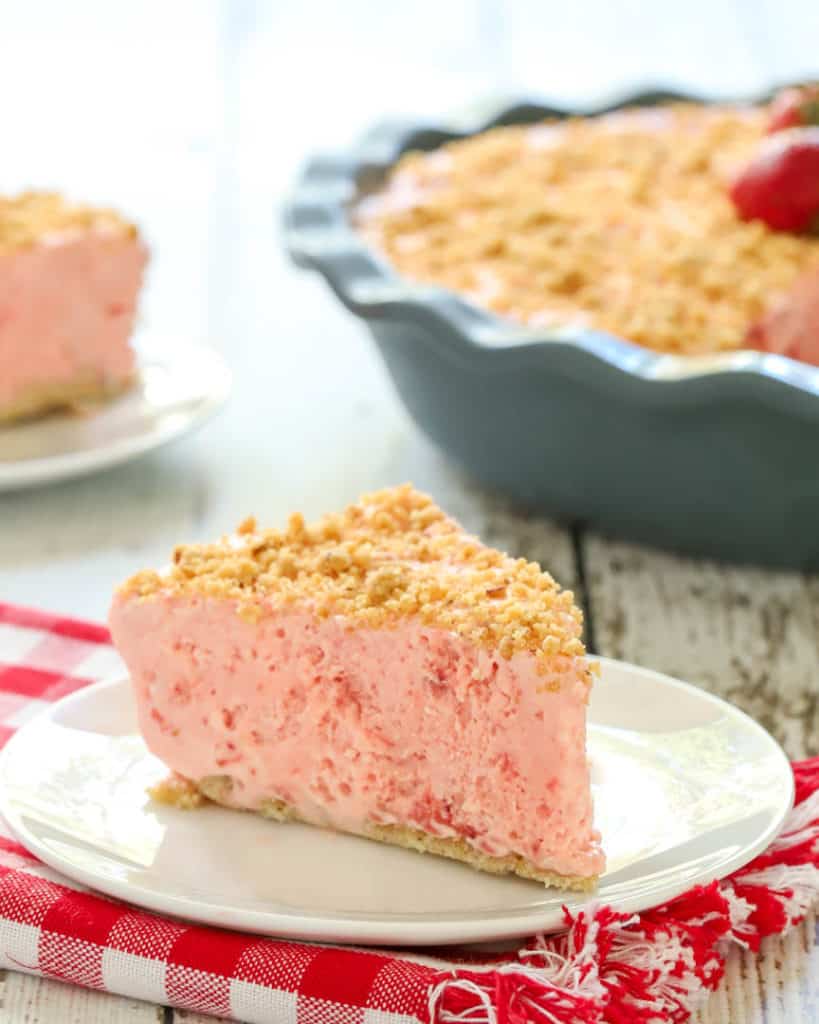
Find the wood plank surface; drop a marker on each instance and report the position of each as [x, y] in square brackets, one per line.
[28, 1000]
[749, 635]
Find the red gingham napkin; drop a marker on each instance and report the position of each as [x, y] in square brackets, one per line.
[605, 967]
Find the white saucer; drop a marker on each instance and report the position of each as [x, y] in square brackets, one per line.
[687, 789]
[178, 387]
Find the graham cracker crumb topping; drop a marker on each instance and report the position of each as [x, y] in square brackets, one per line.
[26, 218]
[391, 555]
[621, 222]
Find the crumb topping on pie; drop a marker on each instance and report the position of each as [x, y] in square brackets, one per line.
[621, 222]
[392, 554]
[26, 218]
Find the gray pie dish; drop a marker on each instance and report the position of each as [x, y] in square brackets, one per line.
[712, 455]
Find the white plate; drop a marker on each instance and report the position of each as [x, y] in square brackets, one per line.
[178, 387]
[686, 787]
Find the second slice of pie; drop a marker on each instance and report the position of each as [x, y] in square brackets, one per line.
[70, 277]
[380, 672]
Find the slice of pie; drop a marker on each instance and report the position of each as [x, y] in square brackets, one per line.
[380, 672]
[69, 280]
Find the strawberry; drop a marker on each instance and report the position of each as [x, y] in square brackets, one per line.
[780, 186]
[793, 107]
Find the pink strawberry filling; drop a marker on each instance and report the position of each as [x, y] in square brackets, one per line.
[791, 326]
[411, 726]
[67, 308]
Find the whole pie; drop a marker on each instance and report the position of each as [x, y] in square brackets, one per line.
[623, 222]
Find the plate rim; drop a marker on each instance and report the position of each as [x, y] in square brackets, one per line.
[20, 474]
[368, 927]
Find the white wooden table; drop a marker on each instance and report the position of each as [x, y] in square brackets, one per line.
[193, 116]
